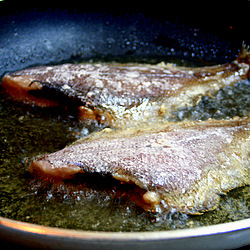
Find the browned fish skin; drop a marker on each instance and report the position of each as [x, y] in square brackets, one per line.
[124, 95]
[180, 166]
[183, 167]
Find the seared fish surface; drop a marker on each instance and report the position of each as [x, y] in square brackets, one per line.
[122, 95]
[181, 166]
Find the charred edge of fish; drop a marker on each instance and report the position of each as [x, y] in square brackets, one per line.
[62, 93]
[94, 184]
[81, 103]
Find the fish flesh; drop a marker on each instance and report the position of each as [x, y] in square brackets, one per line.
[182, 167]
[122, 95]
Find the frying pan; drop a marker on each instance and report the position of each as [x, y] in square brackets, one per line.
[42, 35]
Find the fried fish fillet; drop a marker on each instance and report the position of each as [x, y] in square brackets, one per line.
[121, 95]
[181, 166]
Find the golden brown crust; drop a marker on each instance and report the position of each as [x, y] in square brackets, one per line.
[183, 167]
[121, 95]
[180, 167]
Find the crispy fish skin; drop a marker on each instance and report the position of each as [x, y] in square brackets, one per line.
[123, 94]
[182, 166]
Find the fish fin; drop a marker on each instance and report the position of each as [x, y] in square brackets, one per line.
[244, 56]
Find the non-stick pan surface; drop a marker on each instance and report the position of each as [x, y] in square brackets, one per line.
[39, 36]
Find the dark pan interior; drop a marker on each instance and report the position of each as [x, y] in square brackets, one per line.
[48, 35]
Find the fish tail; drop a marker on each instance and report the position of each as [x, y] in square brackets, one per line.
[244, 56]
